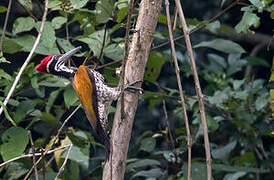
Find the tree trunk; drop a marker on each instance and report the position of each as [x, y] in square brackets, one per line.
[134, 71]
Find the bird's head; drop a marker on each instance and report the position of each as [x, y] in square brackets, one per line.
[55, 64]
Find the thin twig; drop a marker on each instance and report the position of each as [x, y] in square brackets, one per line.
[108, 64]
[33, 157]
[168, 126]
[122, 80]
[4, 29]
[28, 11]
[175, 19]
[28, 58]
[43, 165]
[64, 163]
[66, 26]
[197, 87]
[54, 140]
[197, 28]
[103, 43]
[177, 70]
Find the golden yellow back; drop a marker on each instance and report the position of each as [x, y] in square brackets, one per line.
[85, 90]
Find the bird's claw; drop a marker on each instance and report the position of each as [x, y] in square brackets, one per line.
[131, 88]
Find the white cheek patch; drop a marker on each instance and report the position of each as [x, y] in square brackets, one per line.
[49, 64]
[65, 68]
[60, 67]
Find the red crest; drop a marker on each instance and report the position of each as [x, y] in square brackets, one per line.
[42, 67]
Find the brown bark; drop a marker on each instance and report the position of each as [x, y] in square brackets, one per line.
[134, 71]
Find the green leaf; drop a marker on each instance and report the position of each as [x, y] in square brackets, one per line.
[248, 20]
[26, 3]
[23, 24]
[217, 63]
[53, 95]
[246, 158]
[122, 13]
[78, 139]
[49, 118]
[11, 46]
[272, 94]
[95, 41]
[24, 108]
[79, 155]
[162, 19]
[152, 173]
[154, 66]
[39, 91]
[6, 113]
[65, 44]
[57, 22]
[222, 45]
[219, 98]
[114, 51]
[223, 152]
[234, 176]
[76, 4]
[237, 84]
[27, 42]
[15, 170]
[104, 10]
[198, 171]
[211, 123]
[257, 61]
[3, 59]
[258, 4]
[48, 36]
[3, 9]
[111, 76]
[235, 64]
[55, 82]
[15, 140]
[228, 168]
[214, 26]
[5, 75]
[261, 102]
[148, 144]
[70, 96]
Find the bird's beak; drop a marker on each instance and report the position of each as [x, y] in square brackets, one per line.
[68, 54]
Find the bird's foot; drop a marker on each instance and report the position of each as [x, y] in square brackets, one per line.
[131, 88]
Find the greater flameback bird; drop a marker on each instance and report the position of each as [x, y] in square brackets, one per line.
[94, 95]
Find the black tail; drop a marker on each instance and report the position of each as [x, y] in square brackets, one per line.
[105, 140]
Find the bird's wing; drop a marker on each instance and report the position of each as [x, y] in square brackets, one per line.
[85, 89]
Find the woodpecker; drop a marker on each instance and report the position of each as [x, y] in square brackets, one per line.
[89, 85]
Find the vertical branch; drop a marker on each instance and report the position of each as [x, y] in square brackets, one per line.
[189, 141]
[197, 87]
[28, 58]
[4, 27]
[134, 71]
